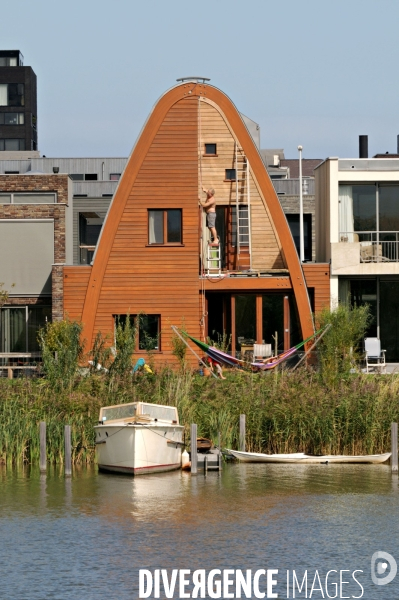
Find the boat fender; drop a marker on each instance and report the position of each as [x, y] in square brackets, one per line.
[185, 459]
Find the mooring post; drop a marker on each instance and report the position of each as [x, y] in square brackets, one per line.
[68, 465]
[394, 447]
[43, 457]
[205, 465]
[242, 433]
[193, 437]
[220, 453]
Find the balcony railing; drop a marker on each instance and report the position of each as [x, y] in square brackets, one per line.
[375, 246]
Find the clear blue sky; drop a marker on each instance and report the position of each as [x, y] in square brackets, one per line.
[316, 72]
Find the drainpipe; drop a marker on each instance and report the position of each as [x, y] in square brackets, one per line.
[301, 241]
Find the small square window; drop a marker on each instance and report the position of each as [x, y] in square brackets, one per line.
[165, 226]
[210, 149]
[230, 175]
[146, 330]
[114, 176]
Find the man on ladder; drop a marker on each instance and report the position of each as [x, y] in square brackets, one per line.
[210, 208]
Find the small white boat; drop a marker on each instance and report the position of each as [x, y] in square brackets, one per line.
[138, 438]
[299, 457]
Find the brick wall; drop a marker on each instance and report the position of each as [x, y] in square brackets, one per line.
[41, 183]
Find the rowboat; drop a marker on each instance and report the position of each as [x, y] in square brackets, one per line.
[300, 457]
[138, 438]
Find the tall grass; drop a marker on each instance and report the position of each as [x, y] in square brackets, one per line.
[300, 413]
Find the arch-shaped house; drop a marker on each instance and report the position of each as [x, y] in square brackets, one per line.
[153, 260]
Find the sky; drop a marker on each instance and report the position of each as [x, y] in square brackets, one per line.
[317, 73]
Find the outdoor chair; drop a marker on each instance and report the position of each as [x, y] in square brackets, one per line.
[375, 357]
[262, 351]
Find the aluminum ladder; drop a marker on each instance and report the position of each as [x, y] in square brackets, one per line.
[243, 204]
[213, 260]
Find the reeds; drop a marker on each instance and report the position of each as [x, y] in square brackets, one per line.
[297, 412]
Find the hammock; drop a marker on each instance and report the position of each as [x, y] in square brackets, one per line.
[222, 357]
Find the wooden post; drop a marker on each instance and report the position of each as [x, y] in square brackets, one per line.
[394, 446]
[259, 320]
[287, 327]
[220, 453]
[242, 433]
[193, 436]
[43, 457]
[233, 326]
[68, 465]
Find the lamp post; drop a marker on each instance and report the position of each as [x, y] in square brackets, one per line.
[301, 242]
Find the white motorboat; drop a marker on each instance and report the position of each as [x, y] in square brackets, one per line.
[299, 457]
[138, 438]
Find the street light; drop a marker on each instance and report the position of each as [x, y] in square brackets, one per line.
[301, 242]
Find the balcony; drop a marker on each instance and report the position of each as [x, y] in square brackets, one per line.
[374, 246]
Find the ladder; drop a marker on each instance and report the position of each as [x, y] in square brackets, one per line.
[213, 260]
[243, 203]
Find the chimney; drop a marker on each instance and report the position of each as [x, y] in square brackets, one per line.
[364, 146]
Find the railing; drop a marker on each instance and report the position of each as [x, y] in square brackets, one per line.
[86, 254]
[24, 362]
[290, 187]
[375, 246]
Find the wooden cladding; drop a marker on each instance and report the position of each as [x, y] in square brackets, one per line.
[165, 172]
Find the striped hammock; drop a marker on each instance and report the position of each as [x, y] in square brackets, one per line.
[224, 358]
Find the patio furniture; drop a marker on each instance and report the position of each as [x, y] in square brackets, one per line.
[262, 351]
[375, 357]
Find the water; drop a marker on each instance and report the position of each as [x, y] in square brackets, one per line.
[87, 537]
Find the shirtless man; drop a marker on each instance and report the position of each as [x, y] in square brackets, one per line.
[210, 208]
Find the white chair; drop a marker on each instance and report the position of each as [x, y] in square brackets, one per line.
[262, 351]
[375, 357]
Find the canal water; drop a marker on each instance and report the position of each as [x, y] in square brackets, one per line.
[87, 537]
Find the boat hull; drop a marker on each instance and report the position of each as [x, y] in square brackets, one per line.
[138, 449]
[300, 458]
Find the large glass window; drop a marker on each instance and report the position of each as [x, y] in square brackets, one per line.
[165, 226]
[12, 118]
[12, 94]
[12, 144]
[388, 207]
[19, 327]
[245, 307]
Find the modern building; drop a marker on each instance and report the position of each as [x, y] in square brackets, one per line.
[18, 104]
[357, 231]
[35, 239]
[153, 261]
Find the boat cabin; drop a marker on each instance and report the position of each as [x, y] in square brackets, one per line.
[139, 412]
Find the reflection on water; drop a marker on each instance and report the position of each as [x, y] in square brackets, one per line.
[88, 535]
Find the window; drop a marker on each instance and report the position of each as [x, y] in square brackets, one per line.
[12, 94]
[293, 222]
[210, 149]
[83, 176]
[12, 118]
[230, 175]
[114, 176]
[8, 61]
[90, 225]
[12, 145]
[145, 328]
[165, 226]
[29, 198]
[19, 327]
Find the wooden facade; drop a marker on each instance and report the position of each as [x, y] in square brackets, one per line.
[165, 173]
